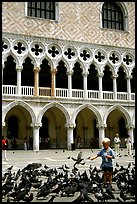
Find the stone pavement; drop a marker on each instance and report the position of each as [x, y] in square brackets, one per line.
[56, 158]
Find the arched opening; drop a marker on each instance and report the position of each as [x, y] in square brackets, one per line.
[92, 78]
[107, 81]
[77, 78]
[61, 76]
[86, 128]
[27, 74]
[116, 124]
[121, 81]
[9, 72]
[44, 74]
[53, 129]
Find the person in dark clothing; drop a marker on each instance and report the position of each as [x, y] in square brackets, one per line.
[14, 143]
[31, 142]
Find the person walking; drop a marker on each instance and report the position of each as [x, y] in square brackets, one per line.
[128, 145]
[117, 144]
[4, 147]
[79, 142]
[107, 155]
[25, 143]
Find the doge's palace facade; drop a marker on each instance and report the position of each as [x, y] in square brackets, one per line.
[67, 77]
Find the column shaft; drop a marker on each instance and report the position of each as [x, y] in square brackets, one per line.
[100, 86]
[53, 82]
[128, 89]
[19, 69]
[36, 81]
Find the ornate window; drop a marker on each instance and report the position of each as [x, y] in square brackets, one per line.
[41, 10]
[112, 16]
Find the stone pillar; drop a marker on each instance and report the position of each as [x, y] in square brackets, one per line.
[53, 81]
[70, 138]
[85, 74]
[101, 128]
[3, 124]
[100, 85]
[69, 73]
[36, 128]
[131, 134]
[19, 69]
[115, 87]
[129, 87]
[36, 81]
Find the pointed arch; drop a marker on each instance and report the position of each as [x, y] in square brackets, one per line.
[19, 103]
[53, 104]
[122, 109]
[89, 106]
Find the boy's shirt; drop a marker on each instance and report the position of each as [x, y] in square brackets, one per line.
[106, 162]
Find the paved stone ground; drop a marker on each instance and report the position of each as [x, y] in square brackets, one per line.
[56, 158]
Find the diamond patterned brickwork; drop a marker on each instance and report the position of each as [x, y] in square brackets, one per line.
[78, 21]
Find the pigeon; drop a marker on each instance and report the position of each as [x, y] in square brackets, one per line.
[28, 198]
[66, 166]
[52, 198]
[78, 160]
[124, 195]
[117, 165]
[9, 169]
[46, 167]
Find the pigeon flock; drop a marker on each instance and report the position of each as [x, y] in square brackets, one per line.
[40, 182]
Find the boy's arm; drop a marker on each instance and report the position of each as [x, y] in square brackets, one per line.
[92, 158]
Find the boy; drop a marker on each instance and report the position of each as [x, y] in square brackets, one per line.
[107, 155]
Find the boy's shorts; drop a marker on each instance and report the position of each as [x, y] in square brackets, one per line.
[110, 169]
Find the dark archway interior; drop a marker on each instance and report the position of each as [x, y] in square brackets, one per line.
[12, 127]
[27, 75]
[43, 132]
[121, 81]
[77, 78]
[61, 76]
[107, 81]
[44, 74]
[122, 128]
[92, 78]
[9, 72]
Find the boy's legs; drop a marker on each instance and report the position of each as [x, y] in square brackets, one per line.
[110, 177]
[105, 177]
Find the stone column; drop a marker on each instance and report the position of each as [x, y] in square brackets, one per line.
[36, 81]
[129, 87]
[19, 69]
[85, 74]
[3, 66]
[114, 86]
[36, 128]
[131, 134]
[53, 81]
[3, 124]
[101, 128]
[70, 138]
[100, 85]
[69, 73]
